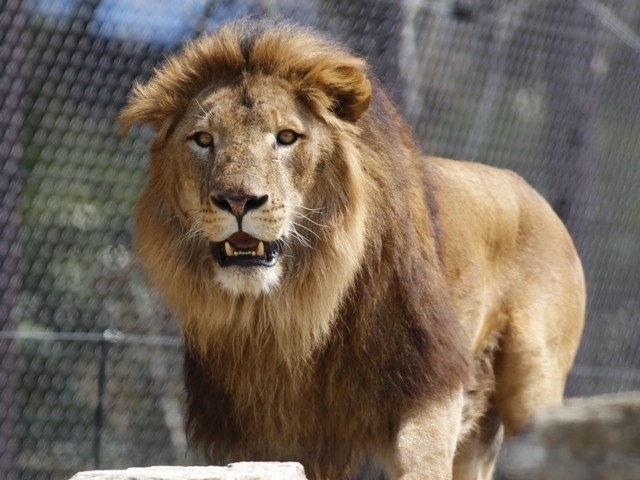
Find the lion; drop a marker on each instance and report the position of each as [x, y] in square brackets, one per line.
[346, 302]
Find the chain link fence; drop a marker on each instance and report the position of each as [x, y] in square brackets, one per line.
[90, 372]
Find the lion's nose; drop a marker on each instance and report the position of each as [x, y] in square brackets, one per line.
[238, 204]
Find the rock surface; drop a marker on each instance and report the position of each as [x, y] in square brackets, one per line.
[596, 438]
[234, 471]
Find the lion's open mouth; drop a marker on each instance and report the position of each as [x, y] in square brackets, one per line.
[243, 250]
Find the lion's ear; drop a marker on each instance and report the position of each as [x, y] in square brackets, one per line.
[149, 106]
[346, 86]
[351, 93]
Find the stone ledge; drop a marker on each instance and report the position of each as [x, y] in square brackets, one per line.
[589, 438]
[234, 471]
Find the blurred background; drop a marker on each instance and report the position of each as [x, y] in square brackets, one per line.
[90, 372]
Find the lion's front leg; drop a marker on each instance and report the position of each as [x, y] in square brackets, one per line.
[426, 441]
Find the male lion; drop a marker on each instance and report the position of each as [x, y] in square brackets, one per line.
[344, 300]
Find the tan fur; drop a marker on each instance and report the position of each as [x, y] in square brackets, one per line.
[419, 304]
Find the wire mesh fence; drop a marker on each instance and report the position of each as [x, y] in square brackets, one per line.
[90, 371]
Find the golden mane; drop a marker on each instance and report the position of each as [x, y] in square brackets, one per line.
[320, 72]
[297, 318]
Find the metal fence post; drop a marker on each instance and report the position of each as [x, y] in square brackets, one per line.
[109, 337]
[12, 87]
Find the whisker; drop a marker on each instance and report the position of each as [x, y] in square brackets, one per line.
[304, 241]
[301, 238]
[195, 232]
[306, 217]
[170, 219]
[195, 210]
[302, 207]
[281, 242]
[201, 117]
[296, 224]
[285, 245]
[174, 217]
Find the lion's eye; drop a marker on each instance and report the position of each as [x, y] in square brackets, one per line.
[202, 139]
[287, 137]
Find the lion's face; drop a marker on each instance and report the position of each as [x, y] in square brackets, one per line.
[244, 159]
[256, 181]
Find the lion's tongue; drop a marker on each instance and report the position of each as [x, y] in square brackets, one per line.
[243, 241]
